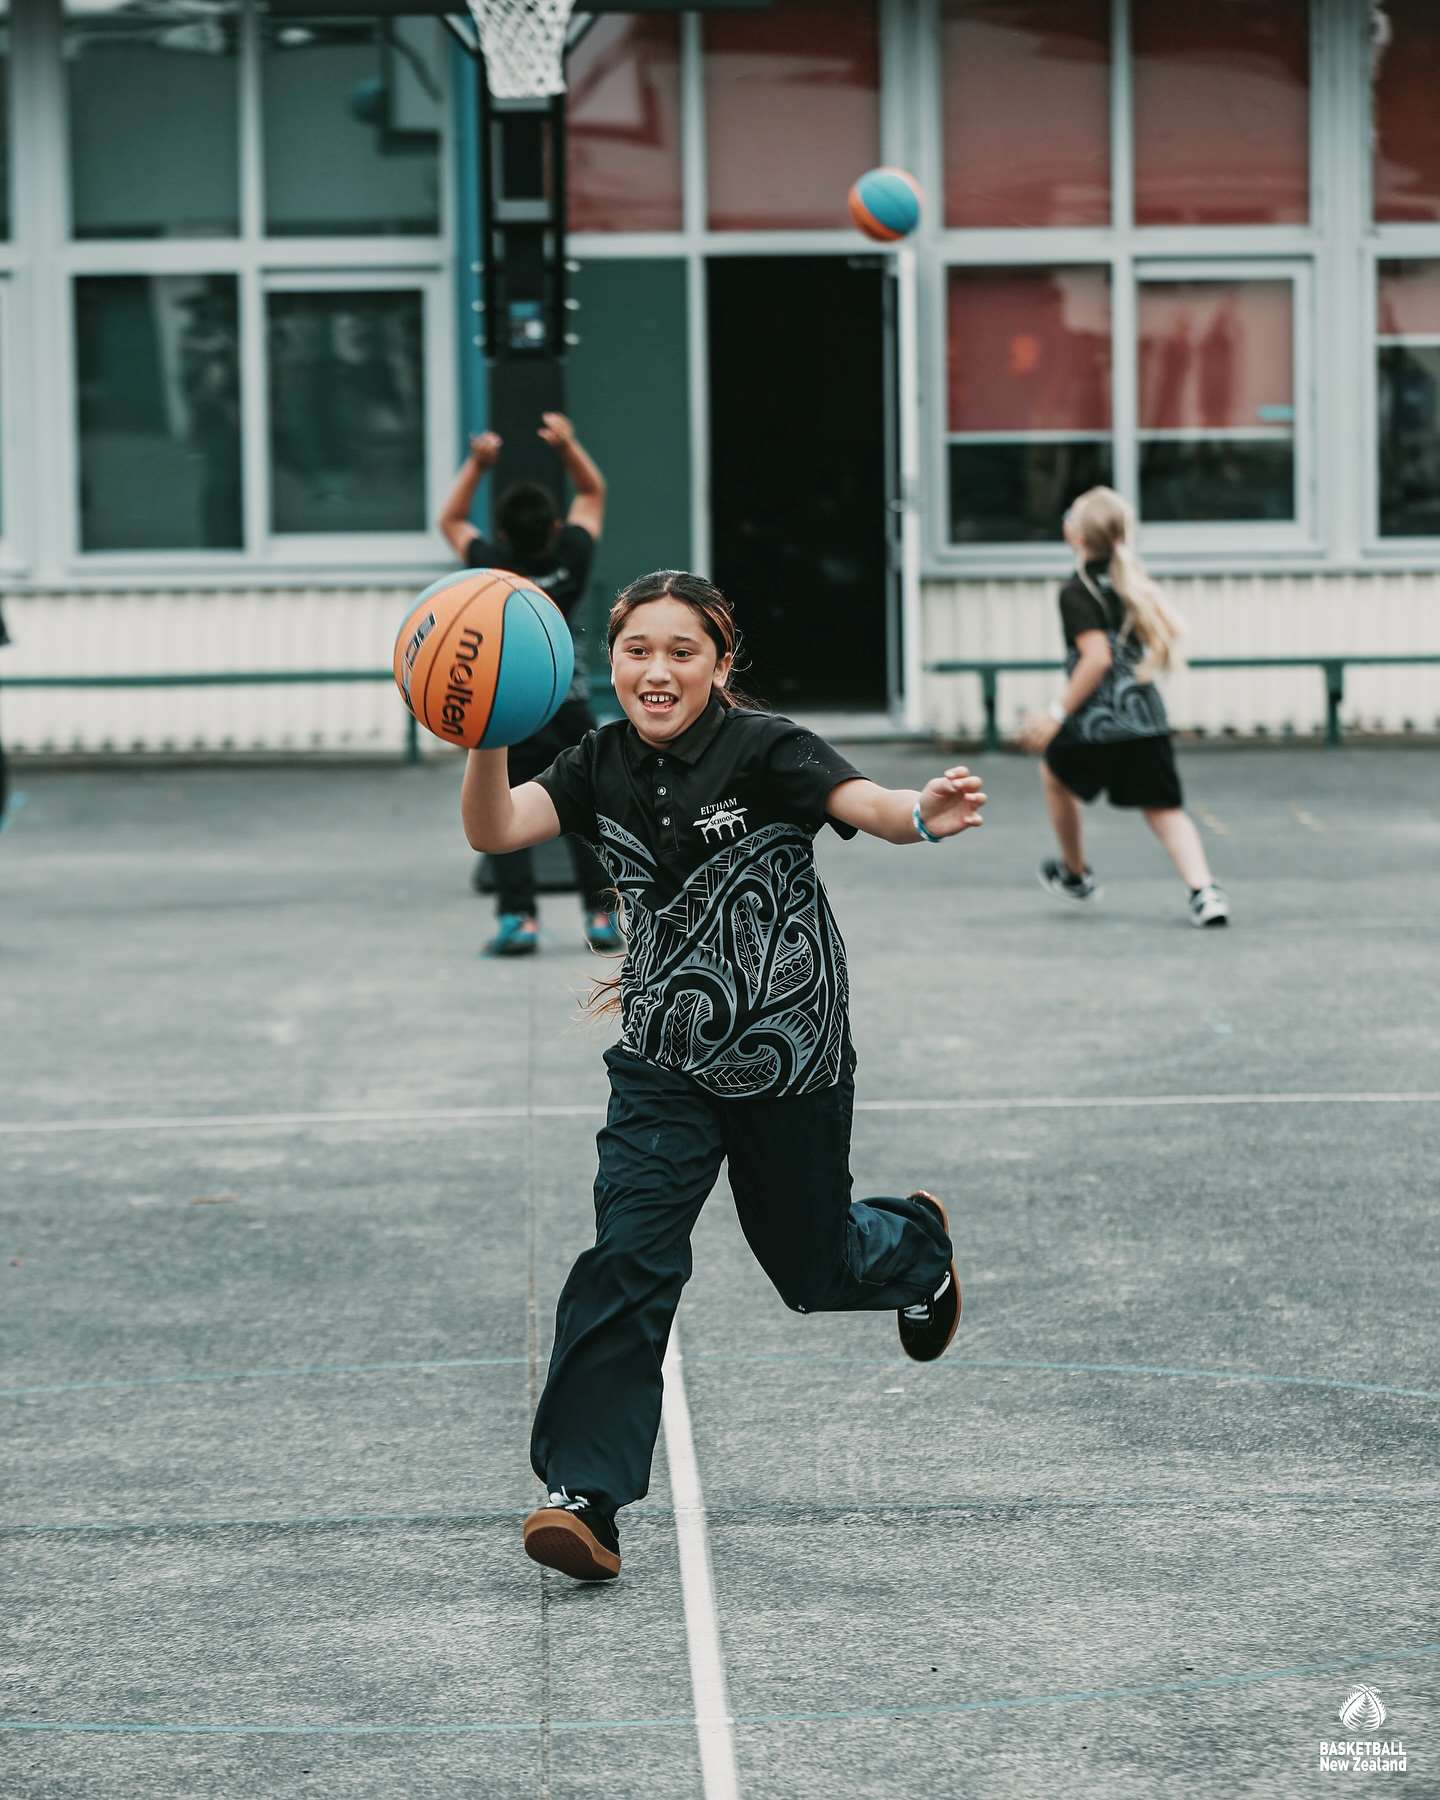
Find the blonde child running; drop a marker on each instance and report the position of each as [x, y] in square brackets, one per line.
[1108, 729]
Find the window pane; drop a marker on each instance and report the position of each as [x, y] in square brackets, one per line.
[4, 118]
[347, 411]
[1222, 103]
[351, 113]
[1409, 398]
[792, 98]
[1407, 116]
[1000, 168]
[622, 125]
[158, 391]
[153, 104]
[1028, 398]
[1217, 400]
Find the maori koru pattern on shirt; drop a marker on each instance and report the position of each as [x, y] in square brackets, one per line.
[740, 980]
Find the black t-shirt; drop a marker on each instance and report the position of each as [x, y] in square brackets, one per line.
[1081, 609]
[735, 969]
[562, 571]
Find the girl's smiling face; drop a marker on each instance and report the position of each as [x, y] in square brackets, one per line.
[664, 667]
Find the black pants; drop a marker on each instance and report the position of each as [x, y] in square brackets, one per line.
[515, 873]
[660, 1154]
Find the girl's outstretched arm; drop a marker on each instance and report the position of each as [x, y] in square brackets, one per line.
[949, 804]
[498, 818]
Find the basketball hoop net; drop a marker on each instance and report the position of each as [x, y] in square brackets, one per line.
[523, 42]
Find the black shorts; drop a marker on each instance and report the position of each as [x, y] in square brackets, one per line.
[1141, 772]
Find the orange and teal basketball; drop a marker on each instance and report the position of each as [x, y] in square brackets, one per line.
[885, 204]
[484, 659]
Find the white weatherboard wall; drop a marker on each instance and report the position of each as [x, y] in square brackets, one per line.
[1227, 615]
[192, 630]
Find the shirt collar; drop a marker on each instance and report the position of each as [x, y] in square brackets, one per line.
[691, 744]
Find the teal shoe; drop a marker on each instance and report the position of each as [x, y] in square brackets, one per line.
[602, 932]
[518, 936]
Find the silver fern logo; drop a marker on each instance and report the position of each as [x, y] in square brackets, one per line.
[1363, 1710]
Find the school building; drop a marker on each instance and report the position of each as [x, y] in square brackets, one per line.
[1189, 250]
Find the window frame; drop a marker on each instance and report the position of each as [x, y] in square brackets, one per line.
[258, 264]
[1384, 248]
[1303, 252]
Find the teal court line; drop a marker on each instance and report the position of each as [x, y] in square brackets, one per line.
[953, 1363]
[1327, 1665]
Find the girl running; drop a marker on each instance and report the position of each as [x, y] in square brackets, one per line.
[1108, 729]
[735, 1040]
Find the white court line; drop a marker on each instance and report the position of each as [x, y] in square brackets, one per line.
[1307, 819]
[713, 1724]
[469, 1115]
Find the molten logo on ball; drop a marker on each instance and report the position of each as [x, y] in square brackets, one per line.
[459, 690]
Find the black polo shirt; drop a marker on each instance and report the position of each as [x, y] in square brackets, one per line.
[734, 972]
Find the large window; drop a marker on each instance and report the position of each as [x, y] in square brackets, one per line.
[153, 104]
[622, 125]
[1406, 84]
[1028, 398]
[158, 413]
[1216, 382]
[252, 280]
[792, 112]
[347, 410]
[1182, 380]
[1046, 162]
[1408, 370]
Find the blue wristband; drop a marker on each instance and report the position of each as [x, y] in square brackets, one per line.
[929, 836]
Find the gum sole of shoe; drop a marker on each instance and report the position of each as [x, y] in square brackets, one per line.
[560, 1541]
[939, 1205]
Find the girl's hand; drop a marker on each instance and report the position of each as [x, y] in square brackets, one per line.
[1036, 731]
[952, 802]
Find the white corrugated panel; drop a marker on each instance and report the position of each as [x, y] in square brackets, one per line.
[1375, 614]
[133, 632]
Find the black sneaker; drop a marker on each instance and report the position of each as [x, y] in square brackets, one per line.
[1057, 879]
[927, 1328]
[571, 1535]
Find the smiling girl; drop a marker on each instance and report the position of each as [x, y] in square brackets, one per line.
[735, 1040]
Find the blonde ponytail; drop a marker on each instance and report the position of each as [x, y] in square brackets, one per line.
[1105, 522]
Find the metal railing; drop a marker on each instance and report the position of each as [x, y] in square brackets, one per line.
[990, 670]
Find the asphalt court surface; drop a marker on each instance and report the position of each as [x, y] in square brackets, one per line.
[291, 1180]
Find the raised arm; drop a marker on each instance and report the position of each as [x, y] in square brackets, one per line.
[498, 818]
[454, 520]
[588, 506]
[949, 804]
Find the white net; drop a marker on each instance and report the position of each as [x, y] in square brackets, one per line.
[523, 42]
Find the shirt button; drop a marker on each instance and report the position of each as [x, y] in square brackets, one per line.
[660, 790]
[659, 762]
[665, 820]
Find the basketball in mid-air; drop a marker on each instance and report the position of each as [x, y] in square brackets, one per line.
[885, 204]
[484, 659]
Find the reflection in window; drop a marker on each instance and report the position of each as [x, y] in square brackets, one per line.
[622, 125]
[153, 108]
[158, 372]
[1407, 117]
[1408, 353]
[1217, 400]
[351, 111]
[1000, 169]
[347, 411]
[1028, 398]
[792, 112]
[1222, 104]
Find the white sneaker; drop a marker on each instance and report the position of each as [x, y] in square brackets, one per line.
[1208, 906]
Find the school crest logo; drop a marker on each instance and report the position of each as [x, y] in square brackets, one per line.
[722, 821]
